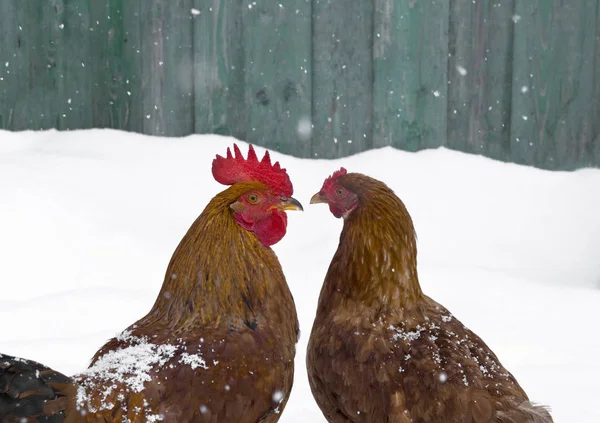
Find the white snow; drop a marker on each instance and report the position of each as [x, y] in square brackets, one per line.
[194, 360]
[132, 365]
[278, 396]
[461, 70]
[304, 129]
[89, 220]
[443, 377]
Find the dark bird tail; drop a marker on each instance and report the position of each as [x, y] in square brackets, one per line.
[526, 412]
[31, 392]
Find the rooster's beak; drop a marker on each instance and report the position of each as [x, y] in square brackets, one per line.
[318, 199]
[289, 203]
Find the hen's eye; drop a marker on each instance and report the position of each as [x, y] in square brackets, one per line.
[339, 192]
[253, 198]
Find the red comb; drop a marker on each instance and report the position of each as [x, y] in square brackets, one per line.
[331, 180]
[233, 169]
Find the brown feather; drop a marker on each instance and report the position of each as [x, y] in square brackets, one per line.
[380, 350]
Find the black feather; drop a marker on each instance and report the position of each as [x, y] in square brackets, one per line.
[25, 388]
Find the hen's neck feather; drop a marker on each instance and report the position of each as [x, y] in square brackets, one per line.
[219, 274]
[376, 261]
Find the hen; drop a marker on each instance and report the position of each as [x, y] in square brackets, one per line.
[219, 343]
[382, 351]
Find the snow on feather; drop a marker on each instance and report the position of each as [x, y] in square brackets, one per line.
[128, 369]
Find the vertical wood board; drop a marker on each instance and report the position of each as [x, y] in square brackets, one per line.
[277, 74]
[410, 62]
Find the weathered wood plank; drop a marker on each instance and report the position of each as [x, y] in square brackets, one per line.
[116, 67]
[167, 84]
[480, 69]
[410, 65]
[35, 106]
[133, 66]
[110, 101]
[574, 126]
[552, 79]
[14, 61]
[76, 64]
[219, 68]
[592, 145]
[342, 77]
[277, 74]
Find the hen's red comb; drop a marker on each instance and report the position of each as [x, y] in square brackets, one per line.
[331, 180]
[233, 169]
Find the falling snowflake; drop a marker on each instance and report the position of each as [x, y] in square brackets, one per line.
[304, 128]
[278, 396]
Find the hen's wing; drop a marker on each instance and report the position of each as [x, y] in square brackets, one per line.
[423, 367]
[448, 372]
[32, 392]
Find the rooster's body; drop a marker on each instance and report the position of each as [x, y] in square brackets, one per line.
[218, 345]
[380, 350]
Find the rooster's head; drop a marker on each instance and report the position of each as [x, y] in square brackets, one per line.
[262, 190]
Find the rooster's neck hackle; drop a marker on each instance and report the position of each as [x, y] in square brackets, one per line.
[219, 274]
[378, 247]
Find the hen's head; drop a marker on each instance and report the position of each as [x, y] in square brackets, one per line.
[341, 198]
[263, 193]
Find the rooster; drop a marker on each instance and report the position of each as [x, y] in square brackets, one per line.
[382, 351]
[219, 343]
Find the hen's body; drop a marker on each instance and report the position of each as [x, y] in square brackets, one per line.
[381, 351]
[218, 345]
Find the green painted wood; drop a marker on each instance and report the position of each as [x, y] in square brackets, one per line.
[133, 65]
[342, 77]
[277, 74]
[577, 95]
[94, 84]
[410, 65]
[76, 67]
[14, 76]
[34, 105]
[553, 65]
[110, 101]
[117, 69]
[219, 68]
[167, 67]
[480, 74]
[97, 62]
[593, 144]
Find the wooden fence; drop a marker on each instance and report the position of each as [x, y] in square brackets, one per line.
[516, 80]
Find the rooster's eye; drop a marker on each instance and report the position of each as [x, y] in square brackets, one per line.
[253, 198]
[339, 192]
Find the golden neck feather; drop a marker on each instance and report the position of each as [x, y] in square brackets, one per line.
[376, 261]
[220, 273]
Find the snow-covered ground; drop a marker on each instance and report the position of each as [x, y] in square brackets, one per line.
[89, 220]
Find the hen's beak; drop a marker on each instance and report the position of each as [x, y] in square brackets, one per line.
[289, 203]
[317, 199]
